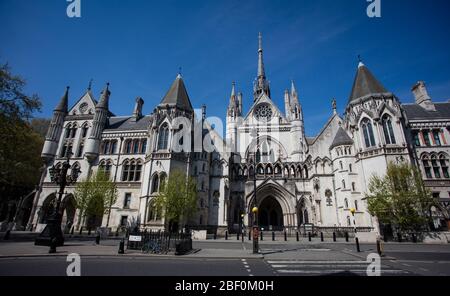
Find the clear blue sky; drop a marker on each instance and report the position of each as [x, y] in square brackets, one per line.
[138, 47]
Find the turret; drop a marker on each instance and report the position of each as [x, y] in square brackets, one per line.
[98, 124]
[233, 113]
[55, 129]
[287, 105]
[297, 131]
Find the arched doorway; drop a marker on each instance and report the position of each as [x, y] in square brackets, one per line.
[47, 209]
[23, 214]
[302, 213]
[270, 214]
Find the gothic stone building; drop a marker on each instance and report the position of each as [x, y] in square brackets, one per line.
[299, 180]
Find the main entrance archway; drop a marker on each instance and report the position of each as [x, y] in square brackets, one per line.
[270, 214]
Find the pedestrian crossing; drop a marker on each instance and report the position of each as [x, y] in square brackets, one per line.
[309, 267]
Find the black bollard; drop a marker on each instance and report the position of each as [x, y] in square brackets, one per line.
[89, 231]
[237, 236]
[226, 235]
[52, 246]
[357, 245]
[334, 236]
[242, 234]
[97, 239]
[273, 235]
[81, 230]
[297, 236]
[121, 247]
[249, 235]
[285, 236]
[215, 235]
[414, 238]
[346, 236]
[399, 237]
[7, 235]
[309, 236]
[262, 238]
[379, 250]
[321, 236]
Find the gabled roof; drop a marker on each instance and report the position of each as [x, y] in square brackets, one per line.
[128, 123]
[177, 95]
[264, 98]
[341, 138]
[417, 112]
[365, 84]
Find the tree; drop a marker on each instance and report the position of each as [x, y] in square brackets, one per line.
[400, 198]
[20, 146]
[178, 197]
[94, 196]
[40, 126]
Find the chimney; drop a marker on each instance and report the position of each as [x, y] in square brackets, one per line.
[137, 113]
[421, 96]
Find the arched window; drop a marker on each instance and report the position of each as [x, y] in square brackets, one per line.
[105, 167]
[346, 203]
[125, 170]
[113, 147]
[427, 168]
[155, 183]
[444, 166]
[387, 130]
[437, 139]
[128, 144]
[106, 147]
[154, 213]
[137, 174]
[80, 149]
[135, 146]
[435, 165]
[132, 171]
[162, 182]
[367, 129]
[305, 216]
[163, 137]
[73, 131]
[258, 156]
[84, 130]
[144, 146]
[67, 133]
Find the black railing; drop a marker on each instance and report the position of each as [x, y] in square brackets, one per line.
[160, 242]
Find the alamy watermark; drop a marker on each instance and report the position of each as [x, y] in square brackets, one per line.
[374, 8]
[74, 268]
[74, 8]
[374, 267]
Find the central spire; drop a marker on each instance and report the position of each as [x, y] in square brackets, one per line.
[261, 84]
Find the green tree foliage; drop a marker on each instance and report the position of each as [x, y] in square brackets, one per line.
[178, 197]
[20, 145]
[400, 198]
[94, 195]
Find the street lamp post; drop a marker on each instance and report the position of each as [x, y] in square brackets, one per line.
[353, 210]
[255, 227]
[52, 234]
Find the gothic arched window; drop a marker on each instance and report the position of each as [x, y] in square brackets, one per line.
[426, 166]
[125, 170]
[144, 146]
[387, 130]
[367, 129]
[155, 183]
[163, 137]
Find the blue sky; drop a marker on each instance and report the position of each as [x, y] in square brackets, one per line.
[138, 47]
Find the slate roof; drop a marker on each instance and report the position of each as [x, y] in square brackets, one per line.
[364, 84]
[177, 95]
[416, 112]
[341, 138]
[127, 123]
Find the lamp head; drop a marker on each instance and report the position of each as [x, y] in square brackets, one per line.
[255, 210]
[353, 210]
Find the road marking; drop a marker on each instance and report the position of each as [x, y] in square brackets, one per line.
[364, 271]
[317, 265]
[315, 262]
[423, 269]
[405, 264]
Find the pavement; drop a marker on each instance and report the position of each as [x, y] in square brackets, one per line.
[228, 257]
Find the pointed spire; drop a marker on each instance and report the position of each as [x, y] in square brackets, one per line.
[104, 99]
[90, 85]
[261, 72]
[64, 102]
[177, 95]
[334, 105]
[233, 89]
[293, 90]
[360, 62]
[365, 84]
